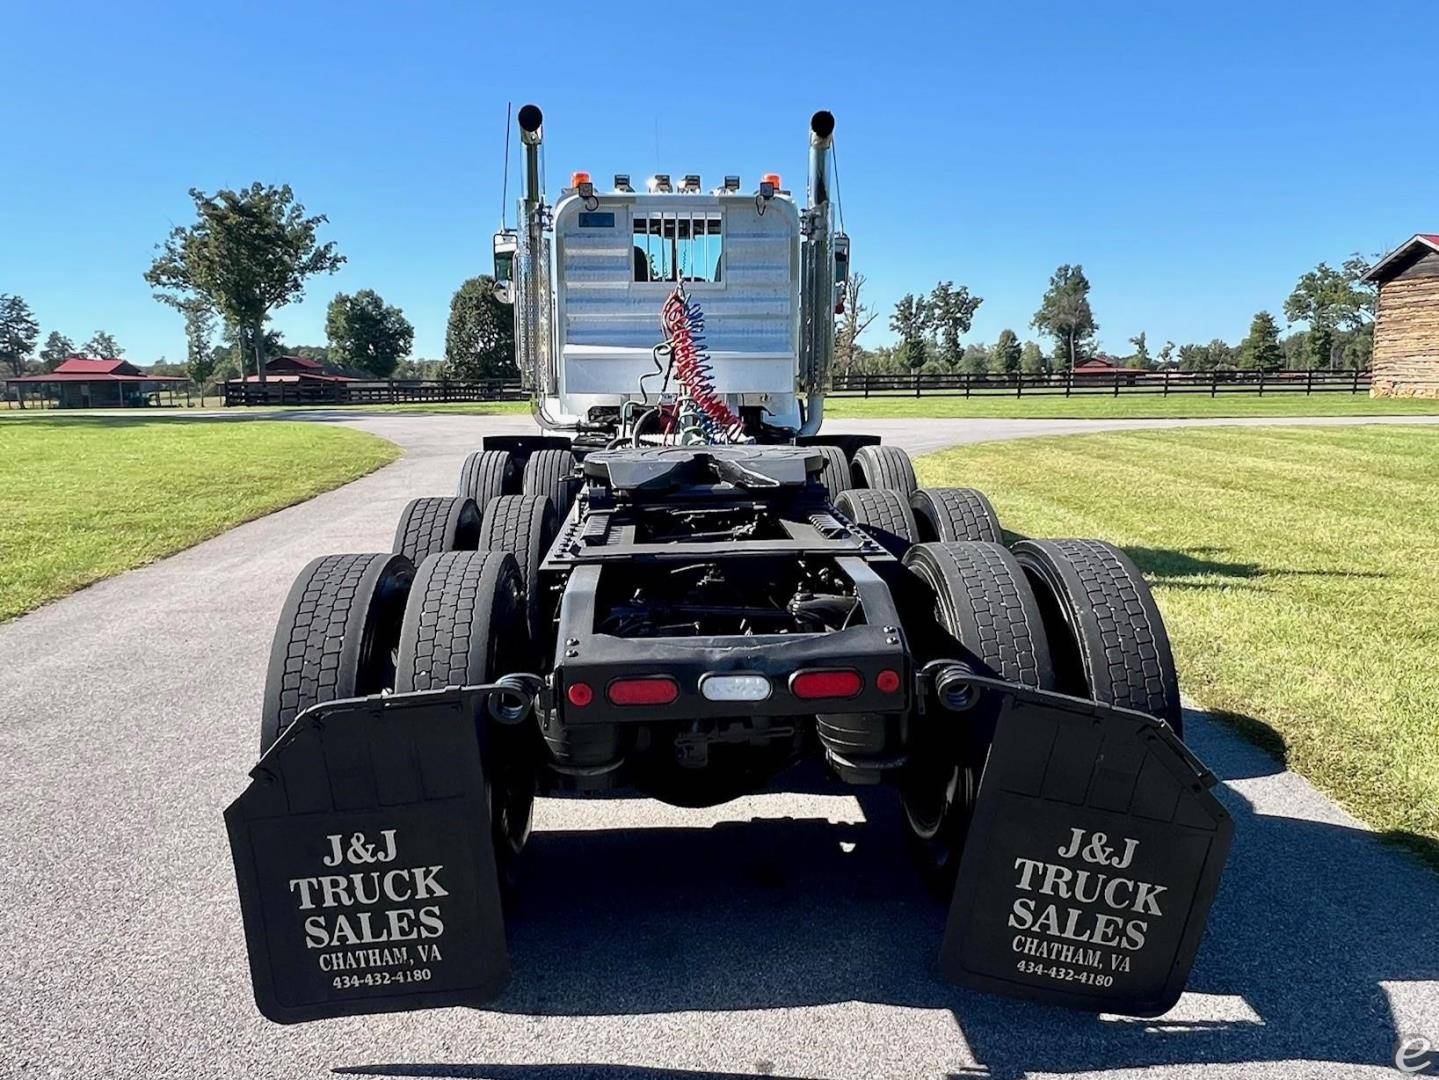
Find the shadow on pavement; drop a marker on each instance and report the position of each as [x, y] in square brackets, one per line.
[1310, 920]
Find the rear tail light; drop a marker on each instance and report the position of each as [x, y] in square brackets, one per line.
[648, 690]
[735, 687]
[835, 683]
[580, 694]
[887, 681]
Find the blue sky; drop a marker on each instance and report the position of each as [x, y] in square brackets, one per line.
[1195, 158]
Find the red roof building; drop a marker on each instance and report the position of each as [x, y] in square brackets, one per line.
[295, 369]
[82, 383]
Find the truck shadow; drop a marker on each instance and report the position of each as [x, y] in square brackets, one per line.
[1311, 921]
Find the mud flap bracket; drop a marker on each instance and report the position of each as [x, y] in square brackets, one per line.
[364, 859]
[1094, 853]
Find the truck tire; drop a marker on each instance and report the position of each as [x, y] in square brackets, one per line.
[1105, 629]
[988, 616]
[523, 525]
[835, 475]
[430, 526]
[884, 515]
[884, 467]
[336, 636]
[486, 475]
[552, 473]
[955, 514]
[463, 626]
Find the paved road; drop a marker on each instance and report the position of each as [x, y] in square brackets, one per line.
[783, 935]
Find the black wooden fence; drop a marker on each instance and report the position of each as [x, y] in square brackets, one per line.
[928, 384]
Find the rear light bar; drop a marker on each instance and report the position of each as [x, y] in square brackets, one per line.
[647, 690]
[830, 683]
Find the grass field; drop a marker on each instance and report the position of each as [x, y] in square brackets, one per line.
[1298, 571]
[1134, 406]
[84, 498]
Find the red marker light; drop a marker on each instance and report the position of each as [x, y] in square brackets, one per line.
[649, 690]
[887, 681]
[840, 683]
[580, 694]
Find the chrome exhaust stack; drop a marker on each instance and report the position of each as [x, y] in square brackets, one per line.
[817, 291]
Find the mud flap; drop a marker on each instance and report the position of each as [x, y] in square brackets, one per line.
[364, 861]
[1093, 857]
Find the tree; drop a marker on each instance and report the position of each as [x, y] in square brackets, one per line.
[974, 360]
[1166, 355]
[1195, 358]
[1321, 345]
[1326, 298]
[367, 333]
[56, 350]
[911, 321]
[18, 332]
[200, 362]
[949, 315]
[1031, 359]
[1065, 314]
[248, 253]
[1006, 355]
[480, 338]
[102, 346]
[1261, 351]
[1222, 355]
[1140, 358]
[856, 319]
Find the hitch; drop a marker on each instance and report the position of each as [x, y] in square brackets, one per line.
[364, 857]
[1093, 856]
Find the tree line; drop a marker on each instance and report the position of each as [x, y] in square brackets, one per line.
[248, 254]
[1332, 308]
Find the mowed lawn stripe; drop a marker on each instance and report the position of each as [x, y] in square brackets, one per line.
[1298, 570]
[84, 499]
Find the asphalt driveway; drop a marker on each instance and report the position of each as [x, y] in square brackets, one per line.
[781, 935]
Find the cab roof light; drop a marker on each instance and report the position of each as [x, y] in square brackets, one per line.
[622, 182]
[691, 183]
[659, 182]
[731, 183]
[643, 690]
[582, 183]
[769, 185]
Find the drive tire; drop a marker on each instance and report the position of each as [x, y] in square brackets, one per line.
[987, 615]
[1106, 631]
[551, 473]
[835, 475]
[882, 514]
[523, 525]
[431, 526]
[336, 636]
[884, 467]
[955, 514]
[464, 626]
[486, 475]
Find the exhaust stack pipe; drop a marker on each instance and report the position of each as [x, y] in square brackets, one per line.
[817, 332]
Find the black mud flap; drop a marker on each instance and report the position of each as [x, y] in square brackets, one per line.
[364, 861]
[1093, 857]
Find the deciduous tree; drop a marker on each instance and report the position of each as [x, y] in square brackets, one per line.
[367, 333]
[102, 346]
[1066, 316]
[480, 338]
[911, 321]
[855, 320]
[1006, 357]
[248, 253]
[949, 313]
[1140, 358]
[1031, 359]
[199, 351]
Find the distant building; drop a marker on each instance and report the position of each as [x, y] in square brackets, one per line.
[80, 383]
[299, 369]
[1406, 329]
[1098, 364]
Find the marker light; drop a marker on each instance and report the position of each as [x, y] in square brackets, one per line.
[731, 183]
[772, 179]
[691, 182]
[648, 690]
[659, 182]
[578, 178]
[887, 681]
[836, 683]
[734, 687]
[622, 182]
[580, 694]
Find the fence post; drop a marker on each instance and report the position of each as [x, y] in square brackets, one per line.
[1166, 382]
[1213, 381]
[1261, 382]
[1068, 381]
[1308, 382]
[867, 377]
[968, 379]
[1019, 384]
[916, 384]
[1355, 390]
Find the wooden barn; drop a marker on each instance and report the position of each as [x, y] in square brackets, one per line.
[1406, 328]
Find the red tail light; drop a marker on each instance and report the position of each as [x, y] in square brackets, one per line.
[580, 694]
[837, 683]
[887, 681]
[649, 690]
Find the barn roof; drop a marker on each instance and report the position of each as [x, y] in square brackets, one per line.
[1396, 260]
[84, 369]
[79, 365]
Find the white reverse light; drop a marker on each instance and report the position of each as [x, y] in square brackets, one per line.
[735, 687]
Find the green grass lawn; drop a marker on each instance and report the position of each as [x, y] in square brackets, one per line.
[83, 498]
[1298, 571]
[1134, 406]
